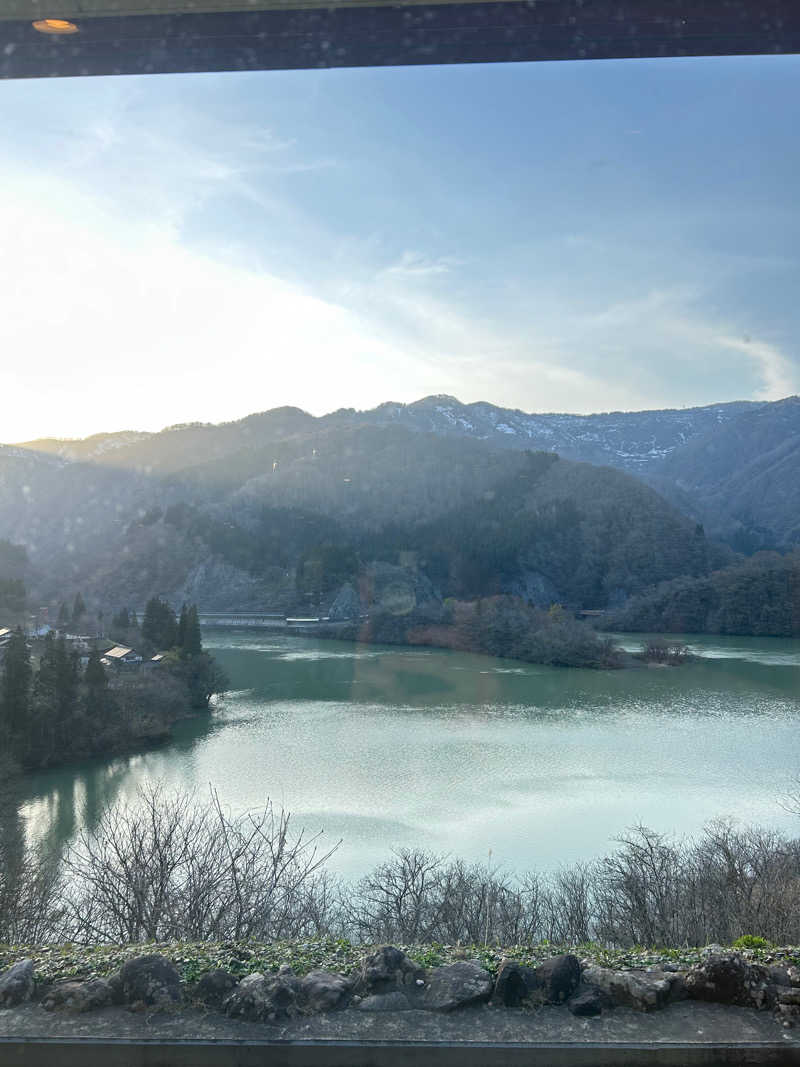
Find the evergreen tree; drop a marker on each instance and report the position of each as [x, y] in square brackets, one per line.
[78, 608]
[15, 692]
[181, 639]
[95, 675]
[158, 625]
[42, 733]
[12, 597]
[96, 690]
[44, 688]
[121, 621]
[55, 702]
[67, 679]
[192, 638]
[204, 678]
[150, 621]
[63, 616]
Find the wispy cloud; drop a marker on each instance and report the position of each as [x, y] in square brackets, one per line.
[780, 376]
[418, 265]
[115, 324]
[159, 265]
[166, 162]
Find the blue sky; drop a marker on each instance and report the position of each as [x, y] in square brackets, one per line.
[554, 237]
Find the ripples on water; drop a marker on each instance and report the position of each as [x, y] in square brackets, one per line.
[771, 651]
[384, 747]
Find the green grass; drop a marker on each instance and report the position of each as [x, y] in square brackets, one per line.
[193, 959]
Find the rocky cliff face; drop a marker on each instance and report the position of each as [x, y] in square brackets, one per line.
[400, 591]
[346, 604]
[220, 586]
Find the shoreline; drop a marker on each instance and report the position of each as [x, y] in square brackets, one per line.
[349, 632]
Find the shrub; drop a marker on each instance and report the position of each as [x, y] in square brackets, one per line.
[168, 868]
[672, 653]
[751, 941]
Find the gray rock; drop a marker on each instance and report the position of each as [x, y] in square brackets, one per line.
[147, 980]
[62, 995]
[386, 970]
[588, 1002]
[323, 991]
[215, 986]
[787, 1014]
[632, 989]
[260, 999]
[401, 591]
[554, 981]
[17, 984]
[678, 989]
[247, 998]
[536, 588]
[726, 978]
[778, 975]
[457, 985]
[513, 984]
[713, 950]
[78, 997]
[347, 604]
[394, 1001]
[558, 978]
[221, 586]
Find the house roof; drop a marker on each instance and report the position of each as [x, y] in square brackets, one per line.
[119, 652]
[4, 631]
[157, 658]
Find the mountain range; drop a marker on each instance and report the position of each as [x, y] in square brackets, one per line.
[633, 441]
[234, 515]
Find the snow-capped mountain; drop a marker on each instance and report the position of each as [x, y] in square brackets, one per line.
[635, 441]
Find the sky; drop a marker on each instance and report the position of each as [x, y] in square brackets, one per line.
[582, 236]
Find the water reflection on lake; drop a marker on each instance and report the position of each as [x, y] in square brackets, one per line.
[458, 753]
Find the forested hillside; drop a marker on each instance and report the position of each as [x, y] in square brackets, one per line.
[287, 523]
[554, 531]
[53, 708]
[760, 596]
[744, 477]
[635, 441]
[13, 564]
[734, 467]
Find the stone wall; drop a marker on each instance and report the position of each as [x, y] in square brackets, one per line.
[388, 980]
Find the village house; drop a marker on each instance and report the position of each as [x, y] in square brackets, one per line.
[120, 656]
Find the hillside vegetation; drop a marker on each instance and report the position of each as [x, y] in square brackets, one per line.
[743, 477]
[179, 867]
[54, 708]
[243, 529]
[758, 596]
[735, 467]
[283, 511]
